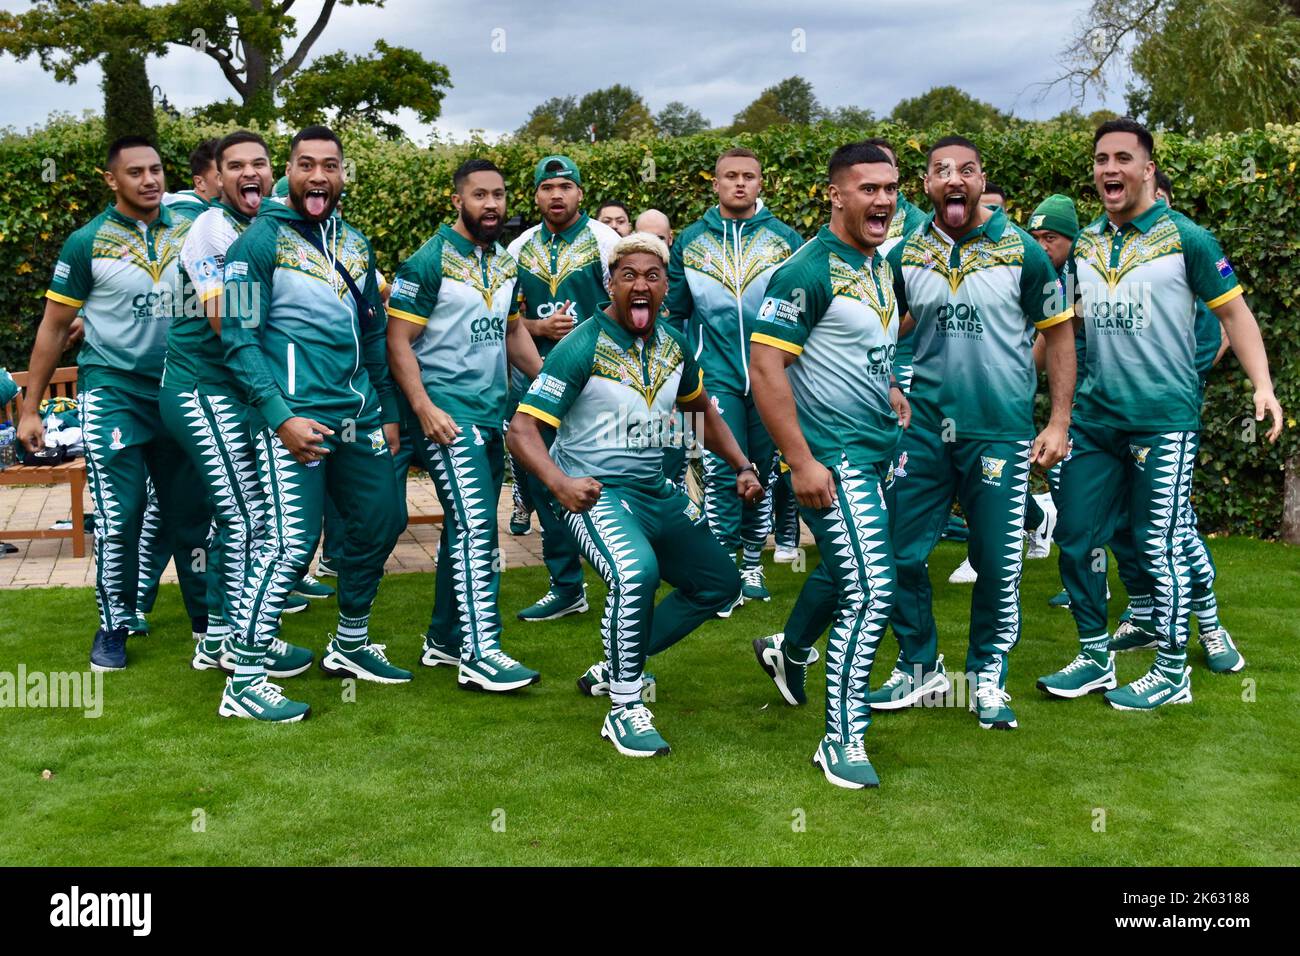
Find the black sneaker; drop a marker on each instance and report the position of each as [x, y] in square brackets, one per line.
[108, 653]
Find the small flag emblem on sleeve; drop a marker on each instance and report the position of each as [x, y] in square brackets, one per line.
[1224, 267]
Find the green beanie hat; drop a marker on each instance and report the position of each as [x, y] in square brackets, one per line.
[1057, 214]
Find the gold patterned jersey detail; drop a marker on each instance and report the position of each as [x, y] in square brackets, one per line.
[467, 269]
[535, 257]
[117, 241]
[613, 363]
[927, 251]
[294, 252]
[897, 223]
[735, 267]
[1138, 248]
[859, 284]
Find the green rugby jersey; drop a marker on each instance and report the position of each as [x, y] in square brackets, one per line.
[555, 266]
[1137, 288]
[976, 302]
[463, 298]
[124, 276]
[907, 219]
[293, 338]
[718, 272]
[836, 310]
[187, 204]
[194, 352]
[612, 396]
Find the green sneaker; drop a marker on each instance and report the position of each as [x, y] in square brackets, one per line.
[312, 589]
[788, 676]
[554, 605]
[989, 701]
[261, 700]
[1080, 677]
[753, 585]
[1153, 689]
[594, 682]
[1060, 599]
[521, 521]
[325, 570]
[1131, 637]
[495, 671]
[203, 661]
[1221, 654]
[632, 731]
[903, 689]
[282, 659]
[846, 765]
[294, 603]
[367, 662]
[436, 653]
[138, 627]
[1126, 616]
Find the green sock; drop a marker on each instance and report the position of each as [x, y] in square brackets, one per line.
[1140, 610]
[250, 665]
[1206, 609]
[217, 633]
[750, 554]
[1097, 648]
[353, 633]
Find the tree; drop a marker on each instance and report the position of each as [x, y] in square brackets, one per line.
[678, 119]
[1199, 67]
[947, 105]
[790, 101]
[128, 97]
[248, 40]
[345, 87]
[616, 112]
[850, 117]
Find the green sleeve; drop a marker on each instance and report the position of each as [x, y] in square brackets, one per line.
[1209, 272]
[895, 260]
[678, 304]
[249, 272]
[1040, 289]
[374, 344]
[798, 295]
[415, 287]
[564, 374]
[72, 280]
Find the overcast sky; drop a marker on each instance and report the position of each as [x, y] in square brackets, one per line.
[715, 57]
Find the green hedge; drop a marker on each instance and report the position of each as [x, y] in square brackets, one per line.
[1242, 186]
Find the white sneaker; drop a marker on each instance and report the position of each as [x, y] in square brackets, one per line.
[964, 574]
[785, 555]
[1040, 539]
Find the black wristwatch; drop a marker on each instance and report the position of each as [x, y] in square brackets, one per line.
[747, 466]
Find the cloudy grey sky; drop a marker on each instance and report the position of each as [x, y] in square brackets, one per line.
[713, 56]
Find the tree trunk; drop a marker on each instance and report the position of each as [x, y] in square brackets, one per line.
[1291, 501]
[259, 98]
[128, 97]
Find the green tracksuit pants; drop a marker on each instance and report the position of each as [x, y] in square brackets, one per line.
[990, 479]
[731, 523]
[559, 550]
[154, 553]
[635, 536]
[359, 476]
[126, 445]
[1148, 477]
[853, 589]
[467, 475]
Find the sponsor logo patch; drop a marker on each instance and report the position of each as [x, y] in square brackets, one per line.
[1224, 267]
[778, 310]
[992, 468]
[405, 289]
[62, 270]
[1139, 453]
[236, 270]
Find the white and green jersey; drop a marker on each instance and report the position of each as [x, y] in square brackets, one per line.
[907, 219]
[976, 302]
[123, 274]
[835, 309]
[1137, 287]
[571, 265]
[613, 396]
[718, 272]
[194, 352]
[462, 296]
[186, 204]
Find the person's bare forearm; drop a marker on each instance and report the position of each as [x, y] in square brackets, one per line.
[521, 350]
[1247, 342]
[775, 403]
[524, 439]
[1061, 370]
[51, 340]
[405, 369]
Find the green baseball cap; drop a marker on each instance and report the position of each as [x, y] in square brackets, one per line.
[556, 167]
[1056, 213]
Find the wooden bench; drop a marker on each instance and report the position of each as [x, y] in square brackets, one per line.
[71, 473]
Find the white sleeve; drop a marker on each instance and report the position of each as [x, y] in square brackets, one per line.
[204, 253]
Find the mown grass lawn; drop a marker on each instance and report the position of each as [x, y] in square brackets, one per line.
[427, 774]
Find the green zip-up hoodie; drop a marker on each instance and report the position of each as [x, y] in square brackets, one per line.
[290, 328]
[717, 279]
